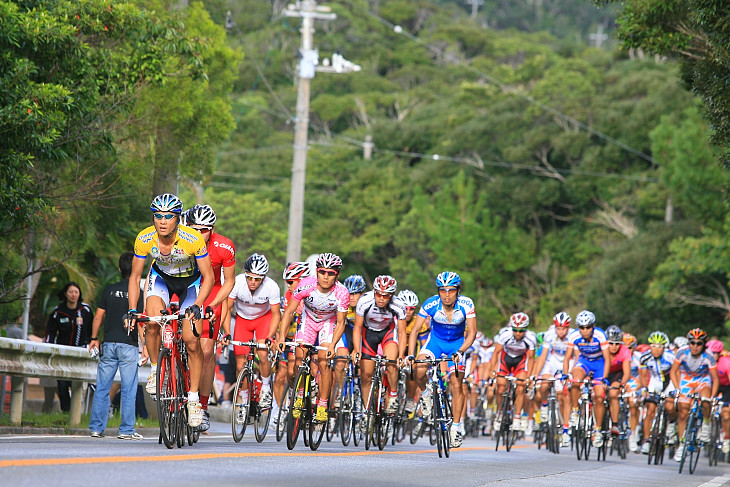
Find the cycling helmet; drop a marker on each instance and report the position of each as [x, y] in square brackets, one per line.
[697, 334]
[479, 335]
[561, 319]
[166, 202]
[447, 278]
[385, 284]
[585, 318]
[256, 264]
[355, 283]
[658, 338]
[629, 340]
[519, 321]
[614, 334]
[680, 342]
[715, 346]
[296, 270]
[328, 260]
[486, 342]
[201, 215]
[409, 298]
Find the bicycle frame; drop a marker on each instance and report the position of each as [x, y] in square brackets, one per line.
[245, 405]
[441, 417]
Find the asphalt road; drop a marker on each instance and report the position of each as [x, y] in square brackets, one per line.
[216, 460]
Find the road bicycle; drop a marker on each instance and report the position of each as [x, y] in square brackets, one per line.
[247, 395]
[583, 431]
[441, 415]
[173, 379]
[692, 443]
[283, 413]
[658, 433]
[400, 417]
[551, 426]
[303, 403]
[375, 419]
[346, 403]
[505, 412]
[714, 446]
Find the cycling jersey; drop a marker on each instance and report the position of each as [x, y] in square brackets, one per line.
[591, 349]
[555, 348]
[694, 367]
[514, 347]
[189, 246]
[296, 319]
[222, 254]
[425, 328]
[320, 309]
[617, 361]
[441, 327]
[723, 371]
[376, 318]
[252, 306]
[658, 369]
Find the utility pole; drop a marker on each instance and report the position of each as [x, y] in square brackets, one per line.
[308, 59]
[598, 37]
[475, 4]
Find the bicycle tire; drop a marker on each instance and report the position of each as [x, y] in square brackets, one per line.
[262, 416]
[241, 407]
[694, 457]
[552, 429]
[695, 446]
[371, 413]
[687, 441]
[441, 420]
[166, 398]
[293, 425]
[712, 452]
[603, 449]
[654, 436]
[283, 414]
[504, 414]
[316, 431]
[182, 410]
[356, 414]
[345, 416]
[417, 424]
[435, 418]
[334, 411]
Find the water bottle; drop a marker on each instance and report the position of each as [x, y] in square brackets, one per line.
[168, 335]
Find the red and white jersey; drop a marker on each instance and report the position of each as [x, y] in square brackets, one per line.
[251, 306]
[222, 254]
[514, 347]
[378, 319]
[319, 307]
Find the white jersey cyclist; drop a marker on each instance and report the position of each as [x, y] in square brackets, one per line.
[555, 348]
[514, 347]
[378, 319]
[252, 306]
[658, 369]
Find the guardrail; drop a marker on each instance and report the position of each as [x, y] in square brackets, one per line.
[23, 358]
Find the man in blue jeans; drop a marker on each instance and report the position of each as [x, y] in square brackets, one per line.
[119, 351]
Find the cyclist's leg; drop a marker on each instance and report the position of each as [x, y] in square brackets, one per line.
[158, 298]
[192, 340]
[613, 404]
[207, 344]
[579, 373]
[262, 327]
[344, 347]
[520, 391]
[390, 350]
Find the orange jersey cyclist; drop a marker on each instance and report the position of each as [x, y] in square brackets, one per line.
[453, 329]
[180, 262]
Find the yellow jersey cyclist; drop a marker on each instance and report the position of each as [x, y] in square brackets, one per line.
[180, 261]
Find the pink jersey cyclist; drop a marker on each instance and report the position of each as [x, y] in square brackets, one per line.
[319, 314]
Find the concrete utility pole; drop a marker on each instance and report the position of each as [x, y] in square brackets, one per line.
[475, 4]
[308, 59]
[598, 37]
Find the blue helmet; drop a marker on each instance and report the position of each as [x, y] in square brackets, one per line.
[448, 278]
[355, 283]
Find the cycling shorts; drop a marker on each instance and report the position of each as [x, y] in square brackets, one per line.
[186, 288]
[346, 340]
[246, 330]
[509, 365]
[724, 391]
[435, 347]
[688, 385]
[371, 339]
[615, 377]
[596, 366]
[312, 332]
[653, 397]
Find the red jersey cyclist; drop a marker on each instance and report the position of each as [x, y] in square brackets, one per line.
[181, 261]
[618, 373]
[323, 321]
[223, 258]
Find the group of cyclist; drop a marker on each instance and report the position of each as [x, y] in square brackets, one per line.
[189, 259]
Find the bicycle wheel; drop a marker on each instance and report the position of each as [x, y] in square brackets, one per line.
[441, 421]
[283, 414]
[694, 453]
[185, 431]
[166, 398]
[261, 421]
[357, 415]
[417, 425]
[371, 412]
[296, 411]
[553, 427]
[712, 446]
[335, 404]
[345, 416]
[655, 436]
[503, 417]
[241, 404]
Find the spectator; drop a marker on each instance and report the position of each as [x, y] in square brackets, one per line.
[69, 324]
[119, 351]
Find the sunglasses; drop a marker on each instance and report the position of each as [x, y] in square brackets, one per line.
[696, 343]
[323, 272]
[448, 289]
[656, 345]
[586, 327]
[202, 230]
[254, 278]
[289, 282]
[382, 295]
[160, 216]
[517, 330]
[615, 343]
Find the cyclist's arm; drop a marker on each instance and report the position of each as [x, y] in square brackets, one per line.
[275, 319]
[226, 307]
[229, 276]
[357, 334]
[541, 359]
[413, 337]
[674, 374]
[494, 364]
[208, 280]
[134, 279]
[286, 318]
[339, 329]
[471, 334]
[402, 340]
[715, 381]
[644, 377]
[566, 361]
[606, 362]
[626, 365]
[531, 360]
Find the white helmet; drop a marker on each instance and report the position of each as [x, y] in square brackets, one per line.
[585, 318]
[519, 321]
[256, 264]
[202, 215]
[409, 298]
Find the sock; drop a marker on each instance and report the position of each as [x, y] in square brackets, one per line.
[204, 401]
[393, 393]
[193, 397]
[456, 425]
[266, 382]
[322, 403]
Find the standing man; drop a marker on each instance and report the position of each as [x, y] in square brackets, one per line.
[222, 257]
[119, 351]
[453, 330]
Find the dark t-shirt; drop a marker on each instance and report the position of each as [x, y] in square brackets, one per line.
[115, 302]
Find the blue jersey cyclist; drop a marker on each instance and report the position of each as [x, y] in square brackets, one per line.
[453, 329]
[590, 346]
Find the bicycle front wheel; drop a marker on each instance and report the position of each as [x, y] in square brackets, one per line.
[241, 404]
[441, 421]
[166, 398]
[712, 446]
[283, 414]
[345, 415]
[296, 408]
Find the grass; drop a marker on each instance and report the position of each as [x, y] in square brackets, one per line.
[61, 420]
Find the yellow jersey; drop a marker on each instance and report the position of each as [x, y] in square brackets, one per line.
[425, 328]
[181, 261]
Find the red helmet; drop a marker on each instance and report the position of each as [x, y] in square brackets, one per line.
[519, 321]
[296, 270]
[562, 319]
[385, 284]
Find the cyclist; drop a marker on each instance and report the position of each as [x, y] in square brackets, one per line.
[181, 260]
[694, 370]
[514, 355]
[323, 320]
[678, 343]
[589, 346]
[654, 367]
[723, 374]
[619, 372]
[355, 285]
[380, 321]
[223, 258]
[256, 299]
[453, 328]
[550, 363]
[410, 299]
[293, 274]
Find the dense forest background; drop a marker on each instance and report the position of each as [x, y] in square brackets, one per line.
[521, 144]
